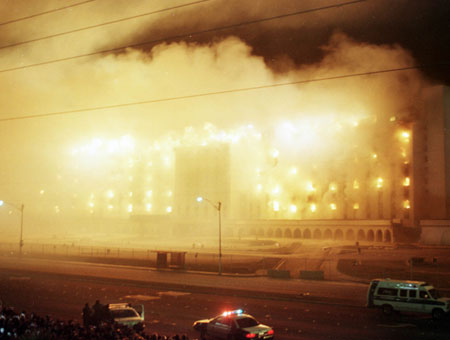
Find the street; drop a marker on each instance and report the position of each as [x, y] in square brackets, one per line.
[170, 312]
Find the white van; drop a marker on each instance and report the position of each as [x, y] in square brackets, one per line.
[406, 296]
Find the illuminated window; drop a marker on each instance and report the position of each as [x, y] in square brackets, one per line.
[406, 204]
[293, 171]
[276, 190]
[110, 194]
[333, 187]
[110, 207]
[313, 207]
[293, 208]
[406, 182]
[130, 208]
[91, 204]
[310, 186]
[130, 194]
[276, 206]
[148, 206]
[355, 184]
[379, 182]
[169, 209]
[148, 193]
[355, 206]
[259, 187]
[333, 206]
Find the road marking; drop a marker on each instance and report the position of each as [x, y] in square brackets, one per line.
[172, 293]
[143, 297]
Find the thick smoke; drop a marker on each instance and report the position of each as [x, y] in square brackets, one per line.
[297, 118]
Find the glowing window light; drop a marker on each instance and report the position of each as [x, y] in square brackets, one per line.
[393, 119]
[166, 161]
[130, 208]
[148, 206]
[374, 156]
[405, 136]
[355, 206]
[333, 187]
[57, 210]
[293, 171]
[276, 206]
[379, 182]
[313, 207]
[355, 123]
[276, 190]
[275, 153]
[310, 186]
[42, 191]
[259, 187]
[169, 209]
[149, 193]
[169, 193]
[130, 194]
[258, 171]
[293, 208]
[91, 211]
[110, 194]
[406, 204]
[91, 204]
[406, 182]
[150, 164]
[130, 178]
[110, 207]
[355, 184]
[333, 206]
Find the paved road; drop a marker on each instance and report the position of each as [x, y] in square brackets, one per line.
[348, 293]
[172, 312]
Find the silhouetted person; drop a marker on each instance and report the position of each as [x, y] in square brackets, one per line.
[97, 312]
[87, 315]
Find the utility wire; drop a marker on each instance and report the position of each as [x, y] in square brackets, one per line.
[190, 35]
[102, 24]
[215, 93]
[44, 13]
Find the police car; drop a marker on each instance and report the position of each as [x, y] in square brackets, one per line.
[233, 325]
[126, 314]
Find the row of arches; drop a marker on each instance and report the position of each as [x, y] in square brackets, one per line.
[347, 234]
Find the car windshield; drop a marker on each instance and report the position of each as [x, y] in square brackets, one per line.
[123, 313]
[434, 293]
[247, 322]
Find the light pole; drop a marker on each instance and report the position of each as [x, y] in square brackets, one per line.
[218, 207]
[21, 222]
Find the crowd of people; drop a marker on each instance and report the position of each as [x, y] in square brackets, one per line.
[29, 326]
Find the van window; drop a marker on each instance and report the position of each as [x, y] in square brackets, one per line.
[387, 291]
[403, 292]
[424, 294]
[413, 293]
[434, 293]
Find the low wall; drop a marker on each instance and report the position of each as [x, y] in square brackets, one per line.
[435, 232]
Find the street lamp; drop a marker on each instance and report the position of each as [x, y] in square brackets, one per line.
[218, 207]
[21, 221]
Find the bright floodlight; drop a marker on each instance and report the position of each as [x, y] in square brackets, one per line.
[199, 199]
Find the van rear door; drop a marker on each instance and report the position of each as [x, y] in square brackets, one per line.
[372, 287]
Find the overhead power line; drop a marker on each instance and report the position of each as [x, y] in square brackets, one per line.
[102, 24]
[215, 93]
[44, 13]
[190, 35]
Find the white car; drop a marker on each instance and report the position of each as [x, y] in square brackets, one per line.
[126, 314]
[233, 325]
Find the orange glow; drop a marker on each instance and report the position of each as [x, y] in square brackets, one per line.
[406, 204]
[406, 182]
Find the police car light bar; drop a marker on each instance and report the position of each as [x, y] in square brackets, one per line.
[237, 311]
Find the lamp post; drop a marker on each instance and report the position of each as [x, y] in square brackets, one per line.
[218, 207]
[21, 222]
